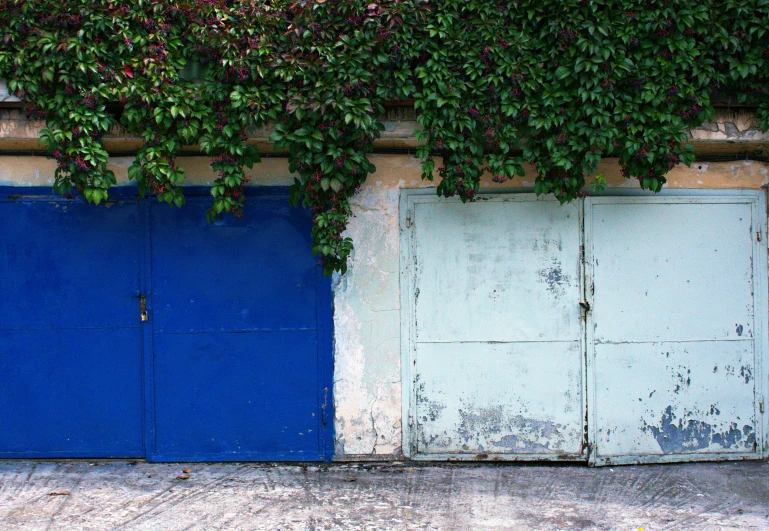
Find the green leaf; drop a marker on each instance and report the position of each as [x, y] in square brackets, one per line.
[561, 72]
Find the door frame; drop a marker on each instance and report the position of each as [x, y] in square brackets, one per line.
[409, 200]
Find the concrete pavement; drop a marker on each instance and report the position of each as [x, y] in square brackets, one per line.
[123, 495]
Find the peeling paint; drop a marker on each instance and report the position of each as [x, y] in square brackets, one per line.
[555, 279]
[746, 373]
[689, 434]
[684, 380]
[518, 433]
[429, 410]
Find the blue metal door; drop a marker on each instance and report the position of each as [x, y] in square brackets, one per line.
[70, 330]
[232, 363]
[241, 318]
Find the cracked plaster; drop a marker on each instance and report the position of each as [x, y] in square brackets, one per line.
[367, 320]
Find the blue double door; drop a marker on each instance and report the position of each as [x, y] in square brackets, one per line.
[140, 330]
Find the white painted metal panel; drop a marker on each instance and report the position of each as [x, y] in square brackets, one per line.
[673, 354]
[499, 398]
[675, 398]
[493, 364]
[673, 270]
[499, 269]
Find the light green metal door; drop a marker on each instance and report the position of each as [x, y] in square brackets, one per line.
[678, 327]
[494, 366]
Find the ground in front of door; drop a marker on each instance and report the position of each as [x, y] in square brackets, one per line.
[125, 495]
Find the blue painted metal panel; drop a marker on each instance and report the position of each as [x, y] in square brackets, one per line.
[70, 336]
[236, 396]
[254, 273]
[240, 315]
[70, 393]
[67, 264]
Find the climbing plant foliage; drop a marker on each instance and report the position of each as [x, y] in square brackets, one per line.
[558, 84]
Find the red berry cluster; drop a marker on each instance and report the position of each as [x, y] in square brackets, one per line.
[34, 113]
[237, 73]
[66, 21]
[340, 160]
[157, 51]
[81, 164]
[356, 88]
[90, 101]
[325, 126]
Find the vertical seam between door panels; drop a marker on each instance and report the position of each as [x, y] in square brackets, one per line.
[584, 445]
[150, 331]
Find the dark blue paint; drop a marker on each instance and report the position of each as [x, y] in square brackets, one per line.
[70, 337]
[254, 273]
[222, 396]
[234, 364]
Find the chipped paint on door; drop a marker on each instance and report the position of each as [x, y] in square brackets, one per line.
[676, 345]
[494, 356]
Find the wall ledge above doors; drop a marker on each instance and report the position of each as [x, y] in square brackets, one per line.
[733, 133]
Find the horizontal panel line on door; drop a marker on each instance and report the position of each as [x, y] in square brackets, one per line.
[497, 342]
[640, 342]
[246, 331]
[35, 328]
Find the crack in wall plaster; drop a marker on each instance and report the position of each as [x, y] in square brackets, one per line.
[367, 327]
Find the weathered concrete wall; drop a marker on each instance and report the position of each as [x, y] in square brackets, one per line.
[366, 299]
[732, 132]
[38, 171]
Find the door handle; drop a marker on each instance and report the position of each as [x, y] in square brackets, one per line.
[143, 308]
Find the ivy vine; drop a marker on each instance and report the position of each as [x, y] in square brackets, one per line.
[496, 84]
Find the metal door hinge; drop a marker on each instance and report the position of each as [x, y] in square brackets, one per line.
[585, 305]
[758, 236]
[760, 403]
[409, 221]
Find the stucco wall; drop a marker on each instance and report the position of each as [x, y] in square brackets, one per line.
[366, 299]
